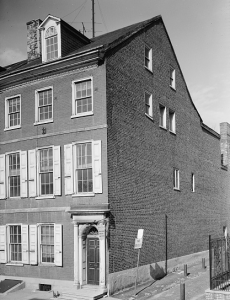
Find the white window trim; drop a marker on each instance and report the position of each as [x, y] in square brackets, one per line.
[37, 122]
[7, 126]
[74, 113]
[193, 182]
[150, 105]
[173, 120]
[164, 116]
[150, 58]
[43, 29]
[173, 73]
[176, 184]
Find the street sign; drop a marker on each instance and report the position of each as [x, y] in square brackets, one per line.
[138, 243]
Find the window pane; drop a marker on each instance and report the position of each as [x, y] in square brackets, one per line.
[15, 243]
[47, 243]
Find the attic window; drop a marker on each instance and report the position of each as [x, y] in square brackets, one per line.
[51, 43]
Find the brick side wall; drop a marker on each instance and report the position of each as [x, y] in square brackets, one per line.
[141, 158]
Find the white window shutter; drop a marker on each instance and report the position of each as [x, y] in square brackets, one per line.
[58, 245]
[25, 245]
[97, 177]
[73, 98]
[68, 159]
[36, 106]
[3, 253]
[6, 113]
[32, 172]
[33, 245]
[57, 170]
[2, 177]
[23, 173]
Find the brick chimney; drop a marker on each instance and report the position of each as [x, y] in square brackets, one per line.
[33, 39]
[225, 143]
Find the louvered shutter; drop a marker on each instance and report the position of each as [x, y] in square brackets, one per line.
[97, 177]
[23, 173]
[2, 177]
[57, 170]
[3, 253]
[33, 245]
[32, 172]
[68, 169]
[25, 244]
[58, 245]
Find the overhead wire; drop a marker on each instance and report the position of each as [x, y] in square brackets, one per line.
[75, 9]
[103, 20]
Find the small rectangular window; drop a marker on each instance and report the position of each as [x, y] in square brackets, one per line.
[46, 171]
[82, 98]
[193, 182]
[15, 243]
[148, 58]
[162, 110]
[172, 121]
[14, 174]
[176, 179]
[44, 105]
[47, 243]
[148, 104]
[172, 78]
[13, 112]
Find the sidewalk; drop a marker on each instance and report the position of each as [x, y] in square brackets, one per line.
[168, 288]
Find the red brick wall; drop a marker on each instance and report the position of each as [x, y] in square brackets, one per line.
[141, 158]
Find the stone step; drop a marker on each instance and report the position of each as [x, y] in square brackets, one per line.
[83, 294]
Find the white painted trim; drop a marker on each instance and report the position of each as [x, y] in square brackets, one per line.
[7, 125]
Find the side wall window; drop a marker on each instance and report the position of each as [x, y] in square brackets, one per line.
[13, 112]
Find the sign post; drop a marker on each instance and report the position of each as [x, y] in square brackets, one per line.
[138, 245]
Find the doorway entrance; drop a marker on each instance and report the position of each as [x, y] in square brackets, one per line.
[93, 260]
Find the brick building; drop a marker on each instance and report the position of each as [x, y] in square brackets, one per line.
[99, 138]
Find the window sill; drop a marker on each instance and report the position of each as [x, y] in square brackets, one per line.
[148, 116]
[43, 122]
[12, 128]
[84, 195]
[146, 68]
[45, 197]
[90, 113]
[14, 198]
[173, 88]
[176, 189]
[162, 127]
[173, 132]
[46, 264]
[15, 264]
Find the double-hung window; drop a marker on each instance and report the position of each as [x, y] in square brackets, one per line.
[176, 179]
[44, 105]
[172, 121]
[31, 244]
[44, 172]
[148, 58]
[13, 175]
[83, 168]
[172, 73]
[82, 97]
[162, 111]
[13, 112]
[148, 105]
[51, 39]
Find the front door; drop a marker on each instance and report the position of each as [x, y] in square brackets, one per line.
[93, 263]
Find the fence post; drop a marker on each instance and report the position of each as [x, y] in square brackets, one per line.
[210, 261]
[182, 291]
[203, 263]
[185, 271]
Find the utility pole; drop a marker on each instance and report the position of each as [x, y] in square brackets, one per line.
[93, 29]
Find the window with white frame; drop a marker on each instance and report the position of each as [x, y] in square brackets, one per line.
[44, 172]
[173, 78]
[176, 179]
[31, 244]
[51, 40]
[13, 112]
[193, 182]
[148, 58]
[172, 121]
[44, 105]
[13, 175]
[83, 168]
[162, 111]
[148, 104]
[82, 97]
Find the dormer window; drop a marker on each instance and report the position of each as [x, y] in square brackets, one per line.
[51, 41]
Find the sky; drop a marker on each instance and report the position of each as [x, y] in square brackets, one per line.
[198, 29]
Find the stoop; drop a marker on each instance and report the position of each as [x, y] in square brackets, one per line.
[89, 293]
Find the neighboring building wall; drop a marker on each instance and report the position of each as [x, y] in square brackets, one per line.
[63, 130]
[142, 156]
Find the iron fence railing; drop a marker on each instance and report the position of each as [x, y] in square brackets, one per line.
[219, 261]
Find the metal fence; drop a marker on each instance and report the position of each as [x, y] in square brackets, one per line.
[219, 261]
